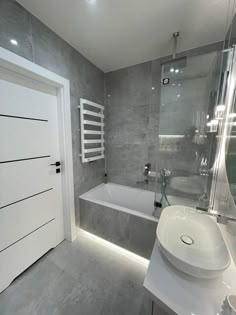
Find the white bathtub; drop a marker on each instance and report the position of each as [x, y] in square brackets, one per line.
[134, 201]
[123, 215]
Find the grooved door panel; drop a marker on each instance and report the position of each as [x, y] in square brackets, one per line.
[21, 255]
[31, 204]
[23, 138]
[19, 180]
[26, 216]
[21, 100]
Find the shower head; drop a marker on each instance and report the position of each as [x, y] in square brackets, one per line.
[175, 37]
[178, 63]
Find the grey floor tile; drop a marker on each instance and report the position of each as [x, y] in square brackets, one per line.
[78, 278]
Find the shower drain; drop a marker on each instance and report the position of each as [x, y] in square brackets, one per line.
[187, 240]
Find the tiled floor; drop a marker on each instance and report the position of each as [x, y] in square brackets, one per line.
[79, 278]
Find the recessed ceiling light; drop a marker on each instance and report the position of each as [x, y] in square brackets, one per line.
[178, 95]
[173, 84]
[14, 42]
[176, 70]
[172, 70]
[179, 84]
[153, 88]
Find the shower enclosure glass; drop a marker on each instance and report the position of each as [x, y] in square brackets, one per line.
[223, 196]
[188, 128]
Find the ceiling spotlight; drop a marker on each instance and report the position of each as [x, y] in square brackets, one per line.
[176, 70]
[14, 42]
[173, 84]
[178, 95]
[153, 88]
[172, 70]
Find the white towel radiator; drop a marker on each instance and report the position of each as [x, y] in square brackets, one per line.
[92, 131]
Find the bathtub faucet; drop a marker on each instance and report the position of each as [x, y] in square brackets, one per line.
[165, 175]
[147, 169]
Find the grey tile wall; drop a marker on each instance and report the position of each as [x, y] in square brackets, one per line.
[133, 106]
[132, 120]
[15, 23]
[39, 44]
[123, 229]
[127, 122]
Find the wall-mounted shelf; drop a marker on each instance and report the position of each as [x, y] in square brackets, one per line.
[92, 131]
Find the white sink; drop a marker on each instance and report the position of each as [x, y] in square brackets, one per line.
[192, 242]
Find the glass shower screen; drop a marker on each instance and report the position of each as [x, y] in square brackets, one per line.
[187, 138]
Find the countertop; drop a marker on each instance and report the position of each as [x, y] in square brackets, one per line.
[181, 294]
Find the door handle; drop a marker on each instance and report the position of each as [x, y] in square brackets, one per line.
[56, 164]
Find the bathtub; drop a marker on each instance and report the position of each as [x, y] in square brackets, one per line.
[122, 198]
[122, 215]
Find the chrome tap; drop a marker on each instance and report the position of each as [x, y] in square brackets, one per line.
[147, 169]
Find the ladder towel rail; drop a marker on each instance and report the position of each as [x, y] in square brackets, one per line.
[92, 148]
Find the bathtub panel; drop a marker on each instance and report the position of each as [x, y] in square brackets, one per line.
[107, 223]
[142, 236]
[126, 230]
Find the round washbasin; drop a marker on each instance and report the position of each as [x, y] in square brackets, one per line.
[192, 242]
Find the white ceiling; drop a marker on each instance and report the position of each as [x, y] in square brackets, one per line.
[117, 33]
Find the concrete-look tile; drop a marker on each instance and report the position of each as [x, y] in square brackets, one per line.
[38, 290]
[127, 159]
[127, 179]
[154, 118]
[117, 86]
[153, 151]
[157, 310]
[140, 77]
[15, 23]
[122, 304]
[128, 231]
[129, 126]
[81, 278]
[142, 236]
[49, 50]
[86, 79]
[105, 222]
[132, 85]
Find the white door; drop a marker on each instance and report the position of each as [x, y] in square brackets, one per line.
[31, 212]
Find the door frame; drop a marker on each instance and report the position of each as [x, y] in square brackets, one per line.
[20, 65]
